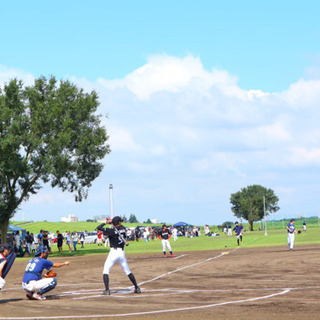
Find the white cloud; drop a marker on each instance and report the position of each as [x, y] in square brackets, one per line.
[174, 125]
[303, 94]
[7, 74]
[301, 156]
[122, 140]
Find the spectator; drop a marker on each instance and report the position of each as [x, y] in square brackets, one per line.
[175, 234]
[69, 241]
[17, 242]
[59, 241]
[28, 240]
[207, 231]
[99, 238]
[82, 238]
[75, 239]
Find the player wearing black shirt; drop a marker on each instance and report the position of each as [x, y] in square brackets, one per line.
[117, 240]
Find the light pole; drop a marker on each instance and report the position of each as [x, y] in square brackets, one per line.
[111, 200]
[264, 214]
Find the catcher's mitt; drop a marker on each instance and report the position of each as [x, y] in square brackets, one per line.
[299, 231]
[51, 274]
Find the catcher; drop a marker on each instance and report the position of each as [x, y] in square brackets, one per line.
[32, 283]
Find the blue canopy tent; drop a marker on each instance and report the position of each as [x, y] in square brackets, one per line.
[14, 229]
[182, 224]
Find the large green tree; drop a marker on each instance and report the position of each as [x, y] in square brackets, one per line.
[49, 133]
[252, 202]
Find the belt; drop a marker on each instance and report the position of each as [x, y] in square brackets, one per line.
[117, 248]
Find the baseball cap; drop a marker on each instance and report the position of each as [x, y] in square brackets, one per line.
[293, 220]
[39, 250]
[116, 220]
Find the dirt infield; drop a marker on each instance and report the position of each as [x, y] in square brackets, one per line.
[264, 283]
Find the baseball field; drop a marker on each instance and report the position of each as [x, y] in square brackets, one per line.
[245, 282]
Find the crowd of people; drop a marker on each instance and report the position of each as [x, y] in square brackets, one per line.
[28, 245]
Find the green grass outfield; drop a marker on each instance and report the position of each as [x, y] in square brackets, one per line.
[250, 239]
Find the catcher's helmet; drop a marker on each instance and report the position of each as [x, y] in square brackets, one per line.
[41, 249]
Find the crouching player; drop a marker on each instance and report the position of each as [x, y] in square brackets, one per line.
[32, 282]
[6, 261]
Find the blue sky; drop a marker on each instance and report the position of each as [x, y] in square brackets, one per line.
[203, 98]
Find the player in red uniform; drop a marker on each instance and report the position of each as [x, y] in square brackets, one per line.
[164, 235]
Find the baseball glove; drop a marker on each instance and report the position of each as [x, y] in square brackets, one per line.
[51, 274]
[299, 231]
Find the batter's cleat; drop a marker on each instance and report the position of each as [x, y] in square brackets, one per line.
[173, 255]
[165, 255]
[137, 290]
[37, 296]
[106, 293]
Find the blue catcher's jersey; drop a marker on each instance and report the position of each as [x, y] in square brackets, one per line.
[34, 269]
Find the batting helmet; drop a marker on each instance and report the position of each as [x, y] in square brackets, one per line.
[41, 249]
[116, 220]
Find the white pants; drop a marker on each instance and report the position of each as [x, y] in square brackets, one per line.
[36, 285]
[290, 240]
[116, 255]
[28, 245]
[165, 243]
[2, 283]
[229, 232]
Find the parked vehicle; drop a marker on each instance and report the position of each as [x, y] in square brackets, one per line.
[90, 237]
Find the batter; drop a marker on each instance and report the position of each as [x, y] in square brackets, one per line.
[116, 235]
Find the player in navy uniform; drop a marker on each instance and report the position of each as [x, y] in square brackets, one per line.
[164, 235]
[32, 282]
[116, 234]
[6, 261]
[238, 230]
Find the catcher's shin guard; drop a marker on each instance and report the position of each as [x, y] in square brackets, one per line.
[48, 287]
[106, 281]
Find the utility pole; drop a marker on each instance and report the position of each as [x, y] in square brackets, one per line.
[264, 214]
[111, 200]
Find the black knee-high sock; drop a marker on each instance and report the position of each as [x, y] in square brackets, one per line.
[238, 241]
[133, 280]
[106, 281]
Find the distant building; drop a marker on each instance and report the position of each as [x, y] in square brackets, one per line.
[154, 221]
[70, 218]
[101, 218]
